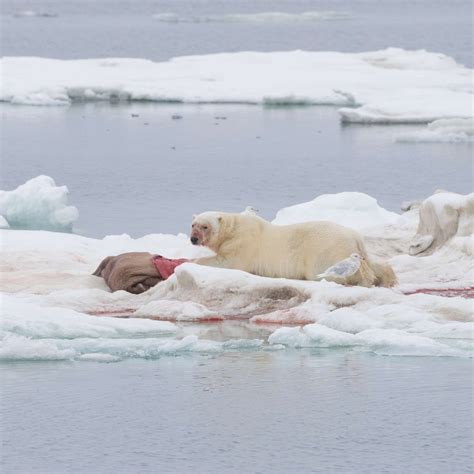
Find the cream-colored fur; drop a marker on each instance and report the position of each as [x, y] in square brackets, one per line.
[299, 251]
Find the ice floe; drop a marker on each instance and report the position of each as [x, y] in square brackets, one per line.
[32, 332]
[387, 86]
[261, 17]
[34, 14]
[382, 342]
[455, 130]
[27, 319]
[38, 204]
[54, 309]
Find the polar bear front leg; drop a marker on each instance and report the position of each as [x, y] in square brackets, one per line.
[214, 261]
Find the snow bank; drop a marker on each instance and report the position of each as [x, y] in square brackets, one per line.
[263, 17]
[392, 85]
[37, 204]
[54, 309]
[356, 210]
[443, 130]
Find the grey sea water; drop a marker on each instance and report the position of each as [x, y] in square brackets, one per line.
[292, 412]
[150, 174]
[289, 412]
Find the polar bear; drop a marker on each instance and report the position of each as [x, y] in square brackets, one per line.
[247, 242]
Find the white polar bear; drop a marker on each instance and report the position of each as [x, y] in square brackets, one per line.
[300, 251]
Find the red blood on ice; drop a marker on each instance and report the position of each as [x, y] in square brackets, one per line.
[448, 292]
[118, 313]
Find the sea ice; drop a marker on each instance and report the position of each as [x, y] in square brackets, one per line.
[356, 210]
[54, 309]
[312, 335]
[396, 342]
[387, 86]
[442, 217]
[176, 311]
[38, 204]
[263, 17]
[456, 130]
[33, 14]
[24, 318]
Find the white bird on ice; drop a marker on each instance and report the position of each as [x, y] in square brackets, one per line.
[343, 269]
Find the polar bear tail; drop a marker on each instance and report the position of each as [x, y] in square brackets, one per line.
[384, 274]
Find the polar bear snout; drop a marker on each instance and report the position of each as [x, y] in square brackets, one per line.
[196, 237]
[199, 234]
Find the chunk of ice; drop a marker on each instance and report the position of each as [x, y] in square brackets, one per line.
[38, 204]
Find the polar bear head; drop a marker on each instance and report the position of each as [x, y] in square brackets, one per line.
[205, 229]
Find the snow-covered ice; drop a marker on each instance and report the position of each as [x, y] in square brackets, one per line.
[387, 86]
[177, 310]
[39, 205]
[54, 309]
[441, 217]
[352, 209]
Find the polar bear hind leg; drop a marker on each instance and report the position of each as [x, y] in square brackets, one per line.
[365, 276]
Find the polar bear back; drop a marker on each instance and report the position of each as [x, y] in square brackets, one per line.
[308, 249]
[298, 251]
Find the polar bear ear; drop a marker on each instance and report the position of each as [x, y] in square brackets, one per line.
[219, 219]
[194, 216]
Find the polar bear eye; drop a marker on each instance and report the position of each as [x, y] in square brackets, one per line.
[205, 227]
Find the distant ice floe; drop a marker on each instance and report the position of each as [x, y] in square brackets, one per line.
[54, 309]
[262, 17]
[456, 130]
[33, 14]
[38, 205]
[388, 86]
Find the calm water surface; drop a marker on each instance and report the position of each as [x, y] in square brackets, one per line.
[292, 412]
[151, 173]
